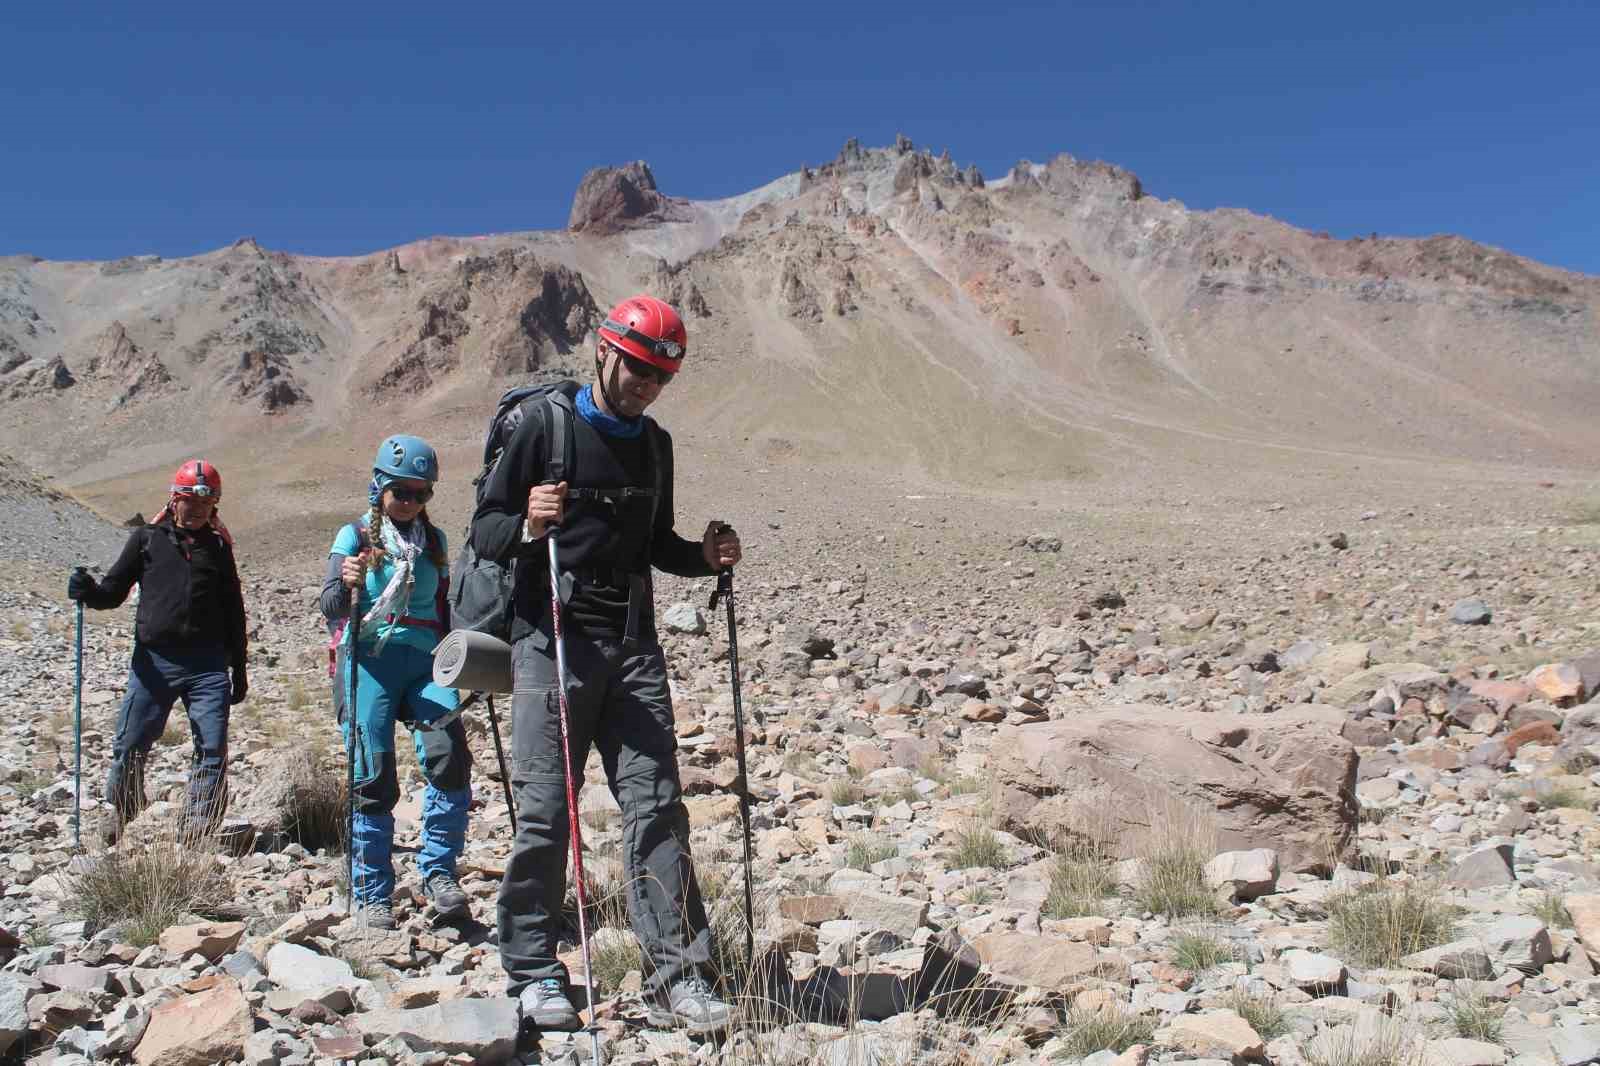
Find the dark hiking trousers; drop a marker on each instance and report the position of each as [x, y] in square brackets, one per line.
[617, 699]
[157, 679]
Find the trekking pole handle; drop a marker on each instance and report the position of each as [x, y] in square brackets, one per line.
[724, 575]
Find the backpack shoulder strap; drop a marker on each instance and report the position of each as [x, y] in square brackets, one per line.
[559, 413]
[658, 474]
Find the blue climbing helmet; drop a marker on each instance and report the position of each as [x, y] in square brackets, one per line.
[405, 457]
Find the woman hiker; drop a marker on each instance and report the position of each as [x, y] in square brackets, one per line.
[189, 644]
[393, 559]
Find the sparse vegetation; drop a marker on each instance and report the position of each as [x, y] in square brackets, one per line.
[977, 845]
[964, 785]
[1172, 880]
[1551, 910]
[1379, 923]
[864, 850]
[296, 698]
[1387, 1044]
[316, 816]
[845, 792]
[613, 953]
[144, 889]
[1088, 1031]
[1474, 1017]
[177, 729]
[1200, 951]
[1083, 876]
[599, 818]
[1261, 1012]
[1586, 512]
[1569, 797]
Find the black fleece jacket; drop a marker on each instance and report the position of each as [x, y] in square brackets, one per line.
[189, 597]
[596, 537]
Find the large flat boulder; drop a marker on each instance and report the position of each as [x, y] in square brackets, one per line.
[1284, 781]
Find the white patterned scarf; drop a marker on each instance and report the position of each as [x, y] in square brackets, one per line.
[403, 546]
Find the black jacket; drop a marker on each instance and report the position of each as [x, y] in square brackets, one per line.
[189, 597]
[596, 537]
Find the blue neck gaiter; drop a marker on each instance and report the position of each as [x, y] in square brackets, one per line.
[626, 428]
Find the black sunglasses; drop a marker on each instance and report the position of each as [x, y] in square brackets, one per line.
[422, 495]
[641, 369]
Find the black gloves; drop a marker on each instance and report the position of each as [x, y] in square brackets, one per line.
[241, 685]
[80, 586]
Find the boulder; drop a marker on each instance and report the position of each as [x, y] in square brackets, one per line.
[1360, 686]
[1471, 612]
[296, 967]
[1519, 941]
[209, 940]
[1488, 867]
[1215, 1034]
[1025, 960]
[485, 1029]
[1312, 971]
[197, 1030]
[1248, 874]
[1284, 782]
[1560, 683]
[13, 1010]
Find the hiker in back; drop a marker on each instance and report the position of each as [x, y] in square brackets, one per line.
[611, 499]
[393, 559]
[189, 644]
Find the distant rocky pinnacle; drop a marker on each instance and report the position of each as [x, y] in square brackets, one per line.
[610, 199]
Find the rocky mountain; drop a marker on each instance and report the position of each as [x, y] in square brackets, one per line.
[889, 310]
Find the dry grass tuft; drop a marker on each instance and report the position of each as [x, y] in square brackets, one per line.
[144, 888]
[1379, 923]
[1089, 1031]
[978, 846]
[1172, 864]
[317, 815]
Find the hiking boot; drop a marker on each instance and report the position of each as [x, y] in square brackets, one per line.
[379, 914]
[444, 892]
[545, 1004]
[690, 1004]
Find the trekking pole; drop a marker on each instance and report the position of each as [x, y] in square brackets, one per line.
[351, 747]
[724, 592]
[77, 733]
[500, 754]
[574, 835]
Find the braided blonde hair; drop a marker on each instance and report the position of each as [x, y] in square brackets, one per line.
[375, 533]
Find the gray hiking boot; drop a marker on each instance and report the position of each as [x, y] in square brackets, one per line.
[545, 1004]
[444, 892]
[690, 1004]
[379, 914]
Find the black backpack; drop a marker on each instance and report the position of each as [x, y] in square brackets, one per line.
[481, 589]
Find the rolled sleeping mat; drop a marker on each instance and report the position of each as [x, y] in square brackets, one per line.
[474, 661]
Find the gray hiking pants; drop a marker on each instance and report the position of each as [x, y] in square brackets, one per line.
[617, 699]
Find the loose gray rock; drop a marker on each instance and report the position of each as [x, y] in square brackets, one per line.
[1471, 612]
[684, 618]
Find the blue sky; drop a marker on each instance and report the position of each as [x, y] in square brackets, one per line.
[345, 128]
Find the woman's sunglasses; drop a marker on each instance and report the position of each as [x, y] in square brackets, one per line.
[401, 495]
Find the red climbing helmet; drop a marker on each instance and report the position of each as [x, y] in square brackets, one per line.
[649, 329]
[196, 477]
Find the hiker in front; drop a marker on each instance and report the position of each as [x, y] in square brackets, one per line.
[614, 511]
[189, 645]
[393, 559]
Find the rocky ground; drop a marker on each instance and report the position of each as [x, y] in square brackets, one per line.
[1289, 782]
